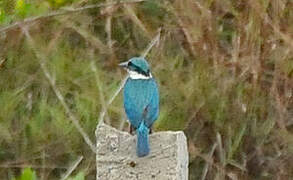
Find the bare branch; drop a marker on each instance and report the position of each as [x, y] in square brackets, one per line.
[92, 39]
[102, 115]
[108, 26]
[22, 166]
[72, 168]
[206, 167]
[122, 123]
[222, 155]
[51, 80]
[65, 11]
[2, 62]
[102, 98]
[129, 10]
[155, 40]
[184, 29]
[286, 37]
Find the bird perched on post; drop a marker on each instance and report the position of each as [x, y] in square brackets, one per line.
[141, 101]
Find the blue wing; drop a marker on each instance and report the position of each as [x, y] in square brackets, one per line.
[141, 101]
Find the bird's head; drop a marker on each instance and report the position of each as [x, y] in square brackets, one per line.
[137, 67]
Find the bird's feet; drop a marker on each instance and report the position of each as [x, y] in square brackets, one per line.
[130, 129]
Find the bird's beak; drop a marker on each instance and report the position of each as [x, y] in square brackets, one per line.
[124, 64]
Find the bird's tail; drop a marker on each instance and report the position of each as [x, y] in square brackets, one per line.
[142, 144]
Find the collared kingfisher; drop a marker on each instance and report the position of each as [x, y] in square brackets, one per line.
[141, 101]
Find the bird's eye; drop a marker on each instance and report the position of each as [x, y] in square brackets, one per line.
[129, 63]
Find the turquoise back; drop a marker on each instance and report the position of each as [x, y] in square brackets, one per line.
[141, 101]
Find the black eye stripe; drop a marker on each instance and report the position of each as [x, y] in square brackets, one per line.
[138, 69]
[133, 65]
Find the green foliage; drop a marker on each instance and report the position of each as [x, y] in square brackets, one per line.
[2, 16]
[59, 3]
[27, 174]
[24, 8]
[21, 8]
[79, 176]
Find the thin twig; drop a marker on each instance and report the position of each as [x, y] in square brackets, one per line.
[43, 172]
[222, 154]
[65, 11]
[221, 150]
[2, 61]
[122, 123]
[206, 167]
[21, 166]
[51, 80]
[108, 26]
[277, 30]
[155, 40]
[183, 27]
[102, 97]
[102, 115]
[92, 39]
[194, 115]
[72, 168]
[210, 161]
[109, 32]
[129, 10]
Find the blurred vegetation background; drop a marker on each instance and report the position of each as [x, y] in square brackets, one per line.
[224, 68]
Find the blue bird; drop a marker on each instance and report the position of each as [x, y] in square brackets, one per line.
[141, 101]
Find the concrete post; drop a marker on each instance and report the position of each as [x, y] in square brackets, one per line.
[116, 156]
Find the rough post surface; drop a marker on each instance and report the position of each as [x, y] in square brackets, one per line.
[116, 156]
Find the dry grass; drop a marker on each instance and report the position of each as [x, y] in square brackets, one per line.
[224, 67]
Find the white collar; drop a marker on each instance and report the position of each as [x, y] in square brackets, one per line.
[136, 75]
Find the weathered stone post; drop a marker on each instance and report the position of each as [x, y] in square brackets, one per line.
[116, 156]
